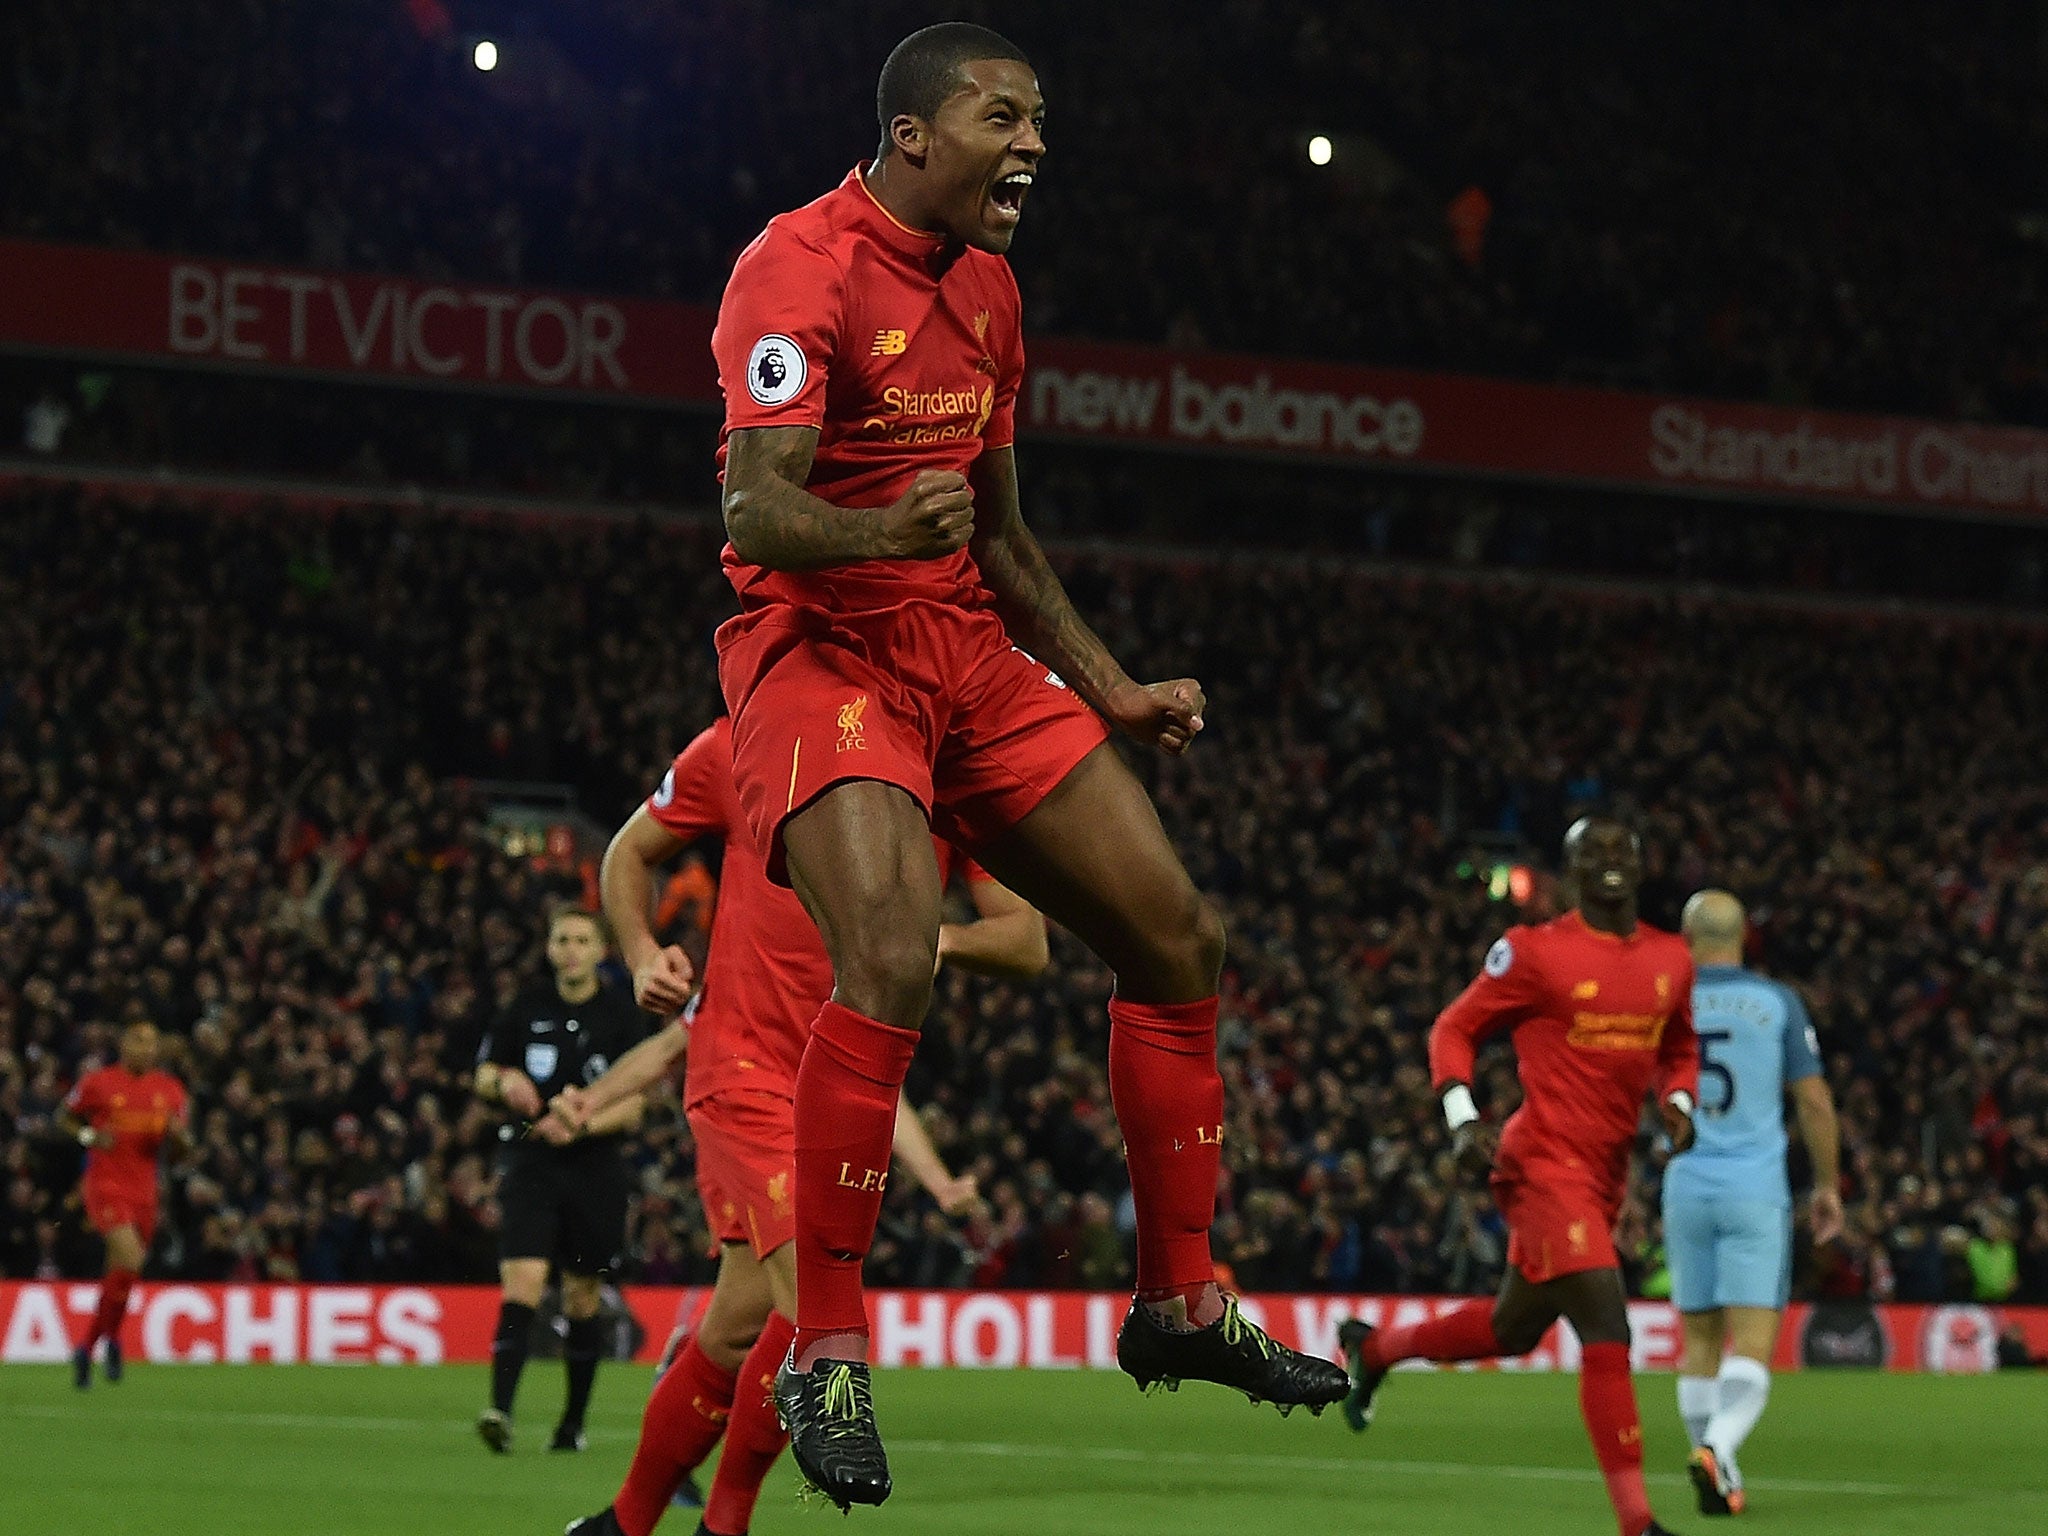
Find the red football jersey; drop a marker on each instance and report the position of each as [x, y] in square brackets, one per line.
[766, 974]
[904, 354]
[134, 1114]
[1597, 1020]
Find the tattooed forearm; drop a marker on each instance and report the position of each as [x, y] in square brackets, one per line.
[1033, 605]
[777, 525]
[773, 521]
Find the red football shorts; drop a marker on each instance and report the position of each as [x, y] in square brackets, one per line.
[927, 696]
[108, 1206]
[746, 1168]
[1557, 1228]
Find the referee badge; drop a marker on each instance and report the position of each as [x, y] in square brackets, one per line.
[1500, 957]
[541, 1056]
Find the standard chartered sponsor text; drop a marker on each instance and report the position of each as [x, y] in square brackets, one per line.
[1250, 413]
[1885, 460]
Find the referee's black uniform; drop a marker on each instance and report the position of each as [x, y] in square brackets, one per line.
[566, 1204]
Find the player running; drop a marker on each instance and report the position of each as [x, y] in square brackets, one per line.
[906, 662]
[766, 975]
[1600, 1008]
[1728, 1202]
[123, 1115]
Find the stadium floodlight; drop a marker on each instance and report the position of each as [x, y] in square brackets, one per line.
[485, 55]
[1319, 150]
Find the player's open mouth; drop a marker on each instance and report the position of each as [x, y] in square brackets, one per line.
[1006, 197]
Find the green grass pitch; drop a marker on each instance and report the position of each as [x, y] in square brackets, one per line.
[305, 1451]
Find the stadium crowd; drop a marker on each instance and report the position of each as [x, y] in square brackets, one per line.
[245, 756]
[1504, 194]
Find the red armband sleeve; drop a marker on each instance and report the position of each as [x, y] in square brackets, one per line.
[696, 798]
[1008, 355]
[777, 332]
[1678, 1053]
[1507, 990]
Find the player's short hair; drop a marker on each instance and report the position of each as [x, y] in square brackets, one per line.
[923, 71]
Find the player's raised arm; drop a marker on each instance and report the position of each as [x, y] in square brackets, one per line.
[1039, 616]
[662, 974]
[1006, 938]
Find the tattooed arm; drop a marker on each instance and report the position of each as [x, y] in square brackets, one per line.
[774, 522]
[1039, 616]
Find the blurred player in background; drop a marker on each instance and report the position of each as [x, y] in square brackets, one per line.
[765, 977]
[1599, 1005]
[123, 1116]
[905, 661]
[1728, 1201]
[563, 1190]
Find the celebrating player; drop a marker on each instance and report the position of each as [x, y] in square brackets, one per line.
[905, 662]
[122, 1115]
[1728, 1203]
[1600, 1007]
[766, 975]
[563, 1190]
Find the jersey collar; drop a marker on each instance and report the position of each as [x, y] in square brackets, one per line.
[884, 225]
[1600, 934]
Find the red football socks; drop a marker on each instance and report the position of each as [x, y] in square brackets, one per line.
[846, 1091]
[685, 1416]
[1607, 1401]
[113, 1306]
[754, 1438]
[1463, 1334]
[1169, 1105]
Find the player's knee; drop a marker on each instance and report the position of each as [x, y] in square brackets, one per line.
[1518, 1336]
[727, 1338]
[885, 972]
[1193, 946]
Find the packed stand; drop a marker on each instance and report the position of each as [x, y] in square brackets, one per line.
[241, 753]
[460, 446]
[1732, 199]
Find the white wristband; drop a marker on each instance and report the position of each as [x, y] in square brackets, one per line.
[1681, 1101]
[1458, 1106]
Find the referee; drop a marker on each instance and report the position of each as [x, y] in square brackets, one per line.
[562, 1194]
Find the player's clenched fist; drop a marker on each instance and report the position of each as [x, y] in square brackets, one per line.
[1473, 1145]
[662, 982]
[1163, 715]
[935, 517]
[1677, 1125]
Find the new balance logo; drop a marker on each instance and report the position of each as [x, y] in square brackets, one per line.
[889, 344]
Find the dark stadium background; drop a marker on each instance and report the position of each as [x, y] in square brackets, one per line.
[316, 690]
